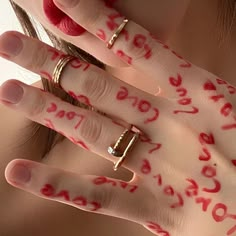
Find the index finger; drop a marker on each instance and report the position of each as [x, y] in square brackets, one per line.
[135, 45]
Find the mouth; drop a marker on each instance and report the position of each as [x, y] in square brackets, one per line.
[62, 21]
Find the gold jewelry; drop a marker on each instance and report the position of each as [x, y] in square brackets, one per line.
[59, 69]
[119, 149]
[117, 33]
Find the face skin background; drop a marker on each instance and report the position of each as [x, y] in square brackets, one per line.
[189, 27]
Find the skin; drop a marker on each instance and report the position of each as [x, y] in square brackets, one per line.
[90, 165]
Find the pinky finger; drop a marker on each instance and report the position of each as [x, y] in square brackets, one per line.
[98, 194]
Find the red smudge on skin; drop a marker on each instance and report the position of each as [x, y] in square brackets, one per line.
[61, 20]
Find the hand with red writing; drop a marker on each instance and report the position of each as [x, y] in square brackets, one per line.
[183, 155]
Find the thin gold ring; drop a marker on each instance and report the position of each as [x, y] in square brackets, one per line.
[56, 77]
[117, 33]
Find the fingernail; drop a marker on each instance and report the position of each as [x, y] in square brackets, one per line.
[10, 44]
[11, 92]
[19, 174]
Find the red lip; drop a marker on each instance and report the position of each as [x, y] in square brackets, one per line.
[61, 20]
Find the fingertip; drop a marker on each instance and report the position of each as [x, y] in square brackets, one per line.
[18, 172]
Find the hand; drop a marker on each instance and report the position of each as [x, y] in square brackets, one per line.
[180, 161]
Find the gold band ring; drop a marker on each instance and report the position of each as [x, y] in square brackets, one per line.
[123, 145]
[117, 33]
[56, 77]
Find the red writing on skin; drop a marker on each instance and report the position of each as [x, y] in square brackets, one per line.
[184, 65]
[210, 172]
[101, 34]
[216, 189]
[81, 98]
[143, 106]
[156, 228]
[55, 54]
[45, 75]
[148, 51]
[77, 63]
[229, 126]
[169, 191]
[220, 81]
[79, 142]
[205, 157]
[209, 86]
[68, 115]
[124, 57]
[146, 167]
[227, 108]
[180, 202]
[177, 82]
[140, 41]
[194, 110]
[104, 180]
[185, 101]
[192, 189]
[206, 138]
[50, 125]
[216, 98]
[111, 24]
[231, 89]
[182, 92]
[145, 139]
[159, 179]
[204, 201]
[49, 191]
[219, 211]
[155, 117]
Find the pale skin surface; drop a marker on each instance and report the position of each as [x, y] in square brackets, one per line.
[25, 204]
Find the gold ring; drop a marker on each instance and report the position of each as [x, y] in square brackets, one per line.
[117, 33]
[56, 77]
[119, 149]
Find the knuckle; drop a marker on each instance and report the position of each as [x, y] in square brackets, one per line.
[91, 129]
[96, 86]
[36, 105]
[38, 59]
[91, 20]
[104, 196]
[140, 51]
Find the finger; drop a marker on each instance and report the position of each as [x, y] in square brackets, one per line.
[96, 194]
[84, 128]
[135, 46]
[87, 83]
[84, 39]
